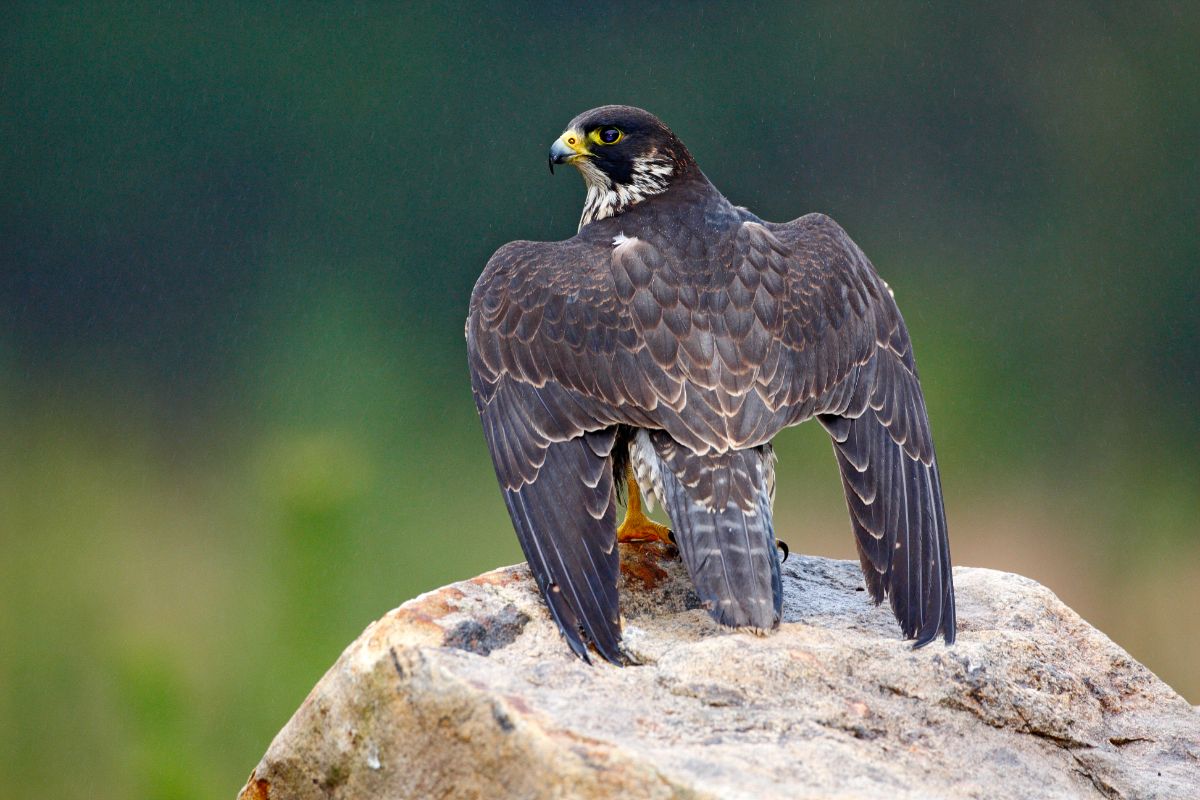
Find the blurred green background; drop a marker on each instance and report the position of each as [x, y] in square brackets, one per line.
[237, 245]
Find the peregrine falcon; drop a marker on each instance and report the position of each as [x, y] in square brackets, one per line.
[659, 351]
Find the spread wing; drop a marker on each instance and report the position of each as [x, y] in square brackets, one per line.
[782, 323]
[847, 330]
[535, 323]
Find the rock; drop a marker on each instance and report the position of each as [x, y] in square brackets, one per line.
[469, 691]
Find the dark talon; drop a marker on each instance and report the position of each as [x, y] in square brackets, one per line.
[782, 545]
[671, 538]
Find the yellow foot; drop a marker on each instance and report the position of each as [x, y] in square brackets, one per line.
[637, 527]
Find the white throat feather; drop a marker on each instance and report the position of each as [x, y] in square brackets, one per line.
[650, 176]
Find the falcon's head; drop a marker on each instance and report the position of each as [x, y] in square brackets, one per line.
[625, 155]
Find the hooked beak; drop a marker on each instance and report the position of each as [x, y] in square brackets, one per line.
[567, 148]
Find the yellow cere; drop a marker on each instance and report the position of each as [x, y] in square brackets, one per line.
[575, 140]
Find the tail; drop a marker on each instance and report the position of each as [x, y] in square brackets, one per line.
[729, 551]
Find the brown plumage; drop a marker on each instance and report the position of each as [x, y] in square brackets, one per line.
[692, 331]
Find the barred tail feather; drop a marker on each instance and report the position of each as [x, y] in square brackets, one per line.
[730, 555]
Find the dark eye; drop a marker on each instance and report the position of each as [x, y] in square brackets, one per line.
[610, 135]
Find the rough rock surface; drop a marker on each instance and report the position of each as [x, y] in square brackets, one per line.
[469, 691]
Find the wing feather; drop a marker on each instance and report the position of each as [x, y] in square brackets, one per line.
[571, 338]
[868, 397]
[567, 529]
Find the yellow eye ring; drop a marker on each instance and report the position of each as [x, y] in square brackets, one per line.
[606, 136]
